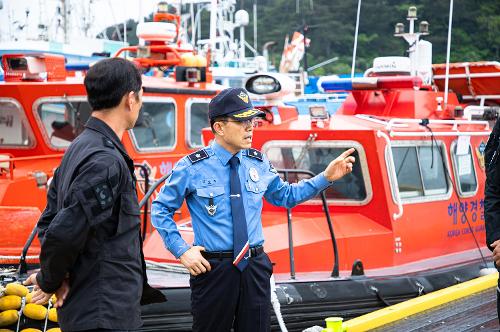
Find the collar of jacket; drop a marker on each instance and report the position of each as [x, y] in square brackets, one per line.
[101, 127]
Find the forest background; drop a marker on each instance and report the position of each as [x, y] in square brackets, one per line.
[331, 26]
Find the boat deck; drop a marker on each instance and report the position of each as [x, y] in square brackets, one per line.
[476, 312]
[467, 307]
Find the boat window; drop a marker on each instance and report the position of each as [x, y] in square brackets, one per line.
[14, 131]
[63, 120]
[155, 128]
[465, 172]
[197, 111]
[420, 171]
[351, 187]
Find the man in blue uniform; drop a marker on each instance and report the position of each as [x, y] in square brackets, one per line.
[91, 249]
[223, 185]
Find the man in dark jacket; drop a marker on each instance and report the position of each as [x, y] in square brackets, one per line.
[91, 253]
[492, 199]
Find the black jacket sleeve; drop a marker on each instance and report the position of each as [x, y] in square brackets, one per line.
[50, 210]
[89, 202]
[492, 205]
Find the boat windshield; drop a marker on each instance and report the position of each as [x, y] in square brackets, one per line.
[14, 130]
[63, 120]
[155, 128]
[315, 158]
[197, 111]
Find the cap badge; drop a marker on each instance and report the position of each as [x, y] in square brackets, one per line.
[243, 96]
[254, 175]
[246, 114]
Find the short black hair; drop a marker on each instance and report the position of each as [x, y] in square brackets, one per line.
[109, 80]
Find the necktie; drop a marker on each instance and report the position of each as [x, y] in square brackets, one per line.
[240, 233]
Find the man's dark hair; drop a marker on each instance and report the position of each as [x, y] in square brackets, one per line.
[109, 80]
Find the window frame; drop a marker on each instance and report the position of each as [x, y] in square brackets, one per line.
[455, 170]
[425, 198]
[188, 106]
[154, 99]
[332, 144]
[39, 121]
[24, 121]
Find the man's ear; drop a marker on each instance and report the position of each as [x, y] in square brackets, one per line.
[218, 128]
[131, 99]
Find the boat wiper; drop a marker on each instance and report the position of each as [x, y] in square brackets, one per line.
[77, 120]
[309, 142]
[146, 121]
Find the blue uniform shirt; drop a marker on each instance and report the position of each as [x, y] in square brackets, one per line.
[208, 177]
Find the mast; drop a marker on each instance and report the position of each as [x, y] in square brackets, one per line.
[65, 21]
[213, 25]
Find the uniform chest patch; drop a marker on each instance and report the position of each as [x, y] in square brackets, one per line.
[208, 182]
[104, 195]
[254, 174]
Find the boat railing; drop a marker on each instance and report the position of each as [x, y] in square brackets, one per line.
[484, 112]
[392, 169]
[335, 271]
[8, 164]
[145, 176]
[429, 133]
[173, 54]
[394, 122]
[285, 172]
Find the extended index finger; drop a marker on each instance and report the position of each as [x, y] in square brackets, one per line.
[346, 153]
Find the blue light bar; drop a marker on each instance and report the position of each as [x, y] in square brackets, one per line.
[77, 66]
[342, 84]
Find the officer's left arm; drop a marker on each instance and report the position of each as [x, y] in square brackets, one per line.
[89, 203]
[281, 193]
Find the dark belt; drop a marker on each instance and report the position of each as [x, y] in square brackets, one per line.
[254, 251]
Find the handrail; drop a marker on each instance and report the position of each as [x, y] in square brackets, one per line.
[159, 48]
[9, 171]
[455, 123]
[147, 195]
[146, 188]
[22, 262]
[335, 271]
[32, 157]
[438, 133]
[399, 203]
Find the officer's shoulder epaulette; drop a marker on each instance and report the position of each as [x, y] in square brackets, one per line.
[197, 156]
[253, 153]
[107, 143]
